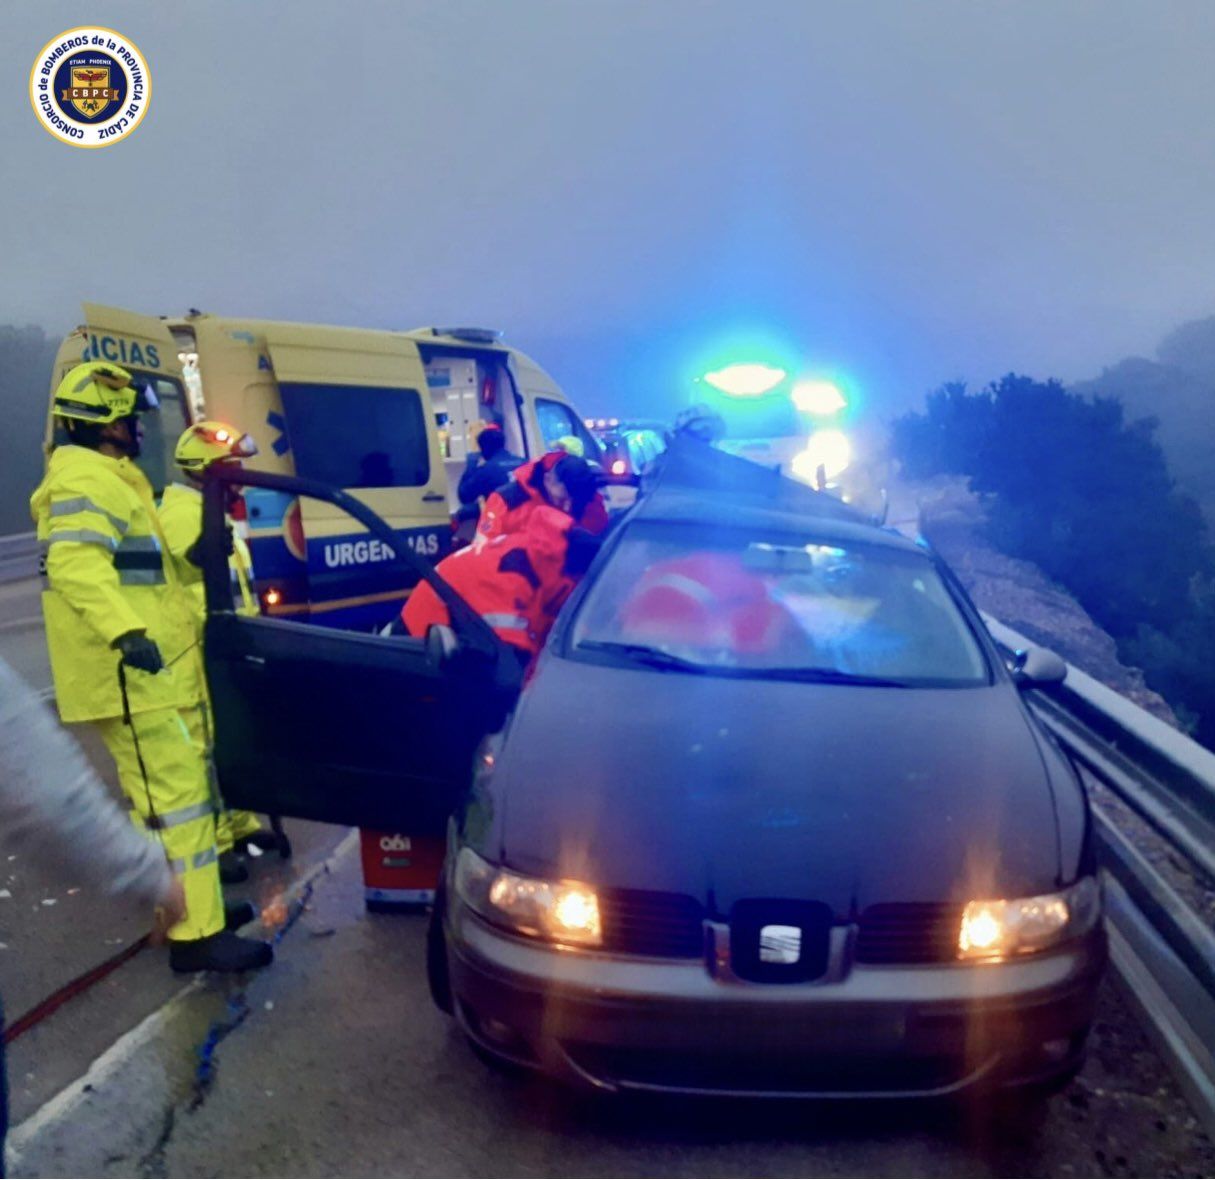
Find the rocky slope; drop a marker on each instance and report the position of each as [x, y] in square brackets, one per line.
[1017, 593]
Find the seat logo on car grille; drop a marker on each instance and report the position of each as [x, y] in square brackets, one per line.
[780, 944]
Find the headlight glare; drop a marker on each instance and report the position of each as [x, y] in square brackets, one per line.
[1000, 929]
[560, 911]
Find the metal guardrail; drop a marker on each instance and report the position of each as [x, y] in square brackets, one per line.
[1160, 946]
[18, 557]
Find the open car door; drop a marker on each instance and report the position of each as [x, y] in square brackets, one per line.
[340, 726]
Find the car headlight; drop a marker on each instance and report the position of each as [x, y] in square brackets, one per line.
[1001, 929]
[559, 911]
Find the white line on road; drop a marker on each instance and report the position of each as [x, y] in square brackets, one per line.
[64, 1104]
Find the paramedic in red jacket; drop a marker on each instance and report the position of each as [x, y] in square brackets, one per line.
[517, 582]
[708, 601]
[559, 480]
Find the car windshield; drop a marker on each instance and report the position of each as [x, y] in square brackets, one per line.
[778, 606]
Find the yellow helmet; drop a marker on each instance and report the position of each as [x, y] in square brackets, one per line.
[102, 393]
[210, 442]
[571, 444]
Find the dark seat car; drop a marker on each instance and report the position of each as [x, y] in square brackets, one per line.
[771, 815]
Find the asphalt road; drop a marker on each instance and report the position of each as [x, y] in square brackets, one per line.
[338, 1064]
[54, 929]
[335, 1062]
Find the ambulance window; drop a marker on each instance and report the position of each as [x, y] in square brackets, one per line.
[161, 430]
[556, 420]
[358, 436]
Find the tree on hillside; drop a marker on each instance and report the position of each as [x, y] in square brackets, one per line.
[26, 357]
[1180, 661]
[1076, 489]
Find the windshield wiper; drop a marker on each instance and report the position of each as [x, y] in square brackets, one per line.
[825, 676]
[641, 653]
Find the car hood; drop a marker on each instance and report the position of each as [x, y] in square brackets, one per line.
[726, 789]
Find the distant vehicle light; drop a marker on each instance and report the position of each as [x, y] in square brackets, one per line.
[272, 597]
[828, 449]
[745, 380]
[619, 467]
[818, 397]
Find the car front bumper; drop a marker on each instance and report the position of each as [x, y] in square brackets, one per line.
[621, 1023]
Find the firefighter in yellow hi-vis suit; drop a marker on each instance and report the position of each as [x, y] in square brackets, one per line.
[118, 626]
[180, 512]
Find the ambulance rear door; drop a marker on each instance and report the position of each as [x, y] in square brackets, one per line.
[143, 346]
[547, 411]
[470, 387]
[357, 416]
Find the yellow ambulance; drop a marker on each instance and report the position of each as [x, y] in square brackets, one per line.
[389, 416]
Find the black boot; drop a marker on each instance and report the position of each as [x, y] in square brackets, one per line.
[224, 951]
[238, 914]
[272, 839]
[232, 868]
[264, 840]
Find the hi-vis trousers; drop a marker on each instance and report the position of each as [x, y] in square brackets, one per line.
[174, 804]
[230, 826]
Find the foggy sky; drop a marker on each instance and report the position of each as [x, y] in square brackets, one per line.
[903, 192]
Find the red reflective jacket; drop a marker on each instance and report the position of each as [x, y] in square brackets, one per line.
[511, 581]
[507, 510]
[706, 600]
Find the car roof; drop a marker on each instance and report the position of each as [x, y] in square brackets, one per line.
[697, 484]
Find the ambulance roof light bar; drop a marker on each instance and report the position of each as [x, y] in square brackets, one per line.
[471, 335]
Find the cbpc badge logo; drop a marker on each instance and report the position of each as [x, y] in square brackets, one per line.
[90, 87]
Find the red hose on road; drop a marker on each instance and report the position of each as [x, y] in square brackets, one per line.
[70, 990]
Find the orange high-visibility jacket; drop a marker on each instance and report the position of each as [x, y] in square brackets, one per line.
[514, 581]
[507, 510]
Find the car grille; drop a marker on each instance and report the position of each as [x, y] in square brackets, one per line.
[661, 924]
[910, 932]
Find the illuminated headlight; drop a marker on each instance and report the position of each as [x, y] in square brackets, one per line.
[559, 911]
[1002, 929]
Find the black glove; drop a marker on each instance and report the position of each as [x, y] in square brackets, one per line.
[194, 553]
[140, 652]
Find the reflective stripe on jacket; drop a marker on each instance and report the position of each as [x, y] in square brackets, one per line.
[105, 574]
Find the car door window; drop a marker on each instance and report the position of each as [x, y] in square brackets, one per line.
[338, 726]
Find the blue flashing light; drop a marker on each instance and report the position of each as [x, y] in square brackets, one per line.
[818, 397]
[745, 380]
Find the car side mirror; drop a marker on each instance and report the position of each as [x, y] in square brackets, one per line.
[1037, 667]
[442, 646]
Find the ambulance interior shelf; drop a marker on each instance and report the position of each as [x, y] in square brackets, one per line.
[469, 389]
[339, 726]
